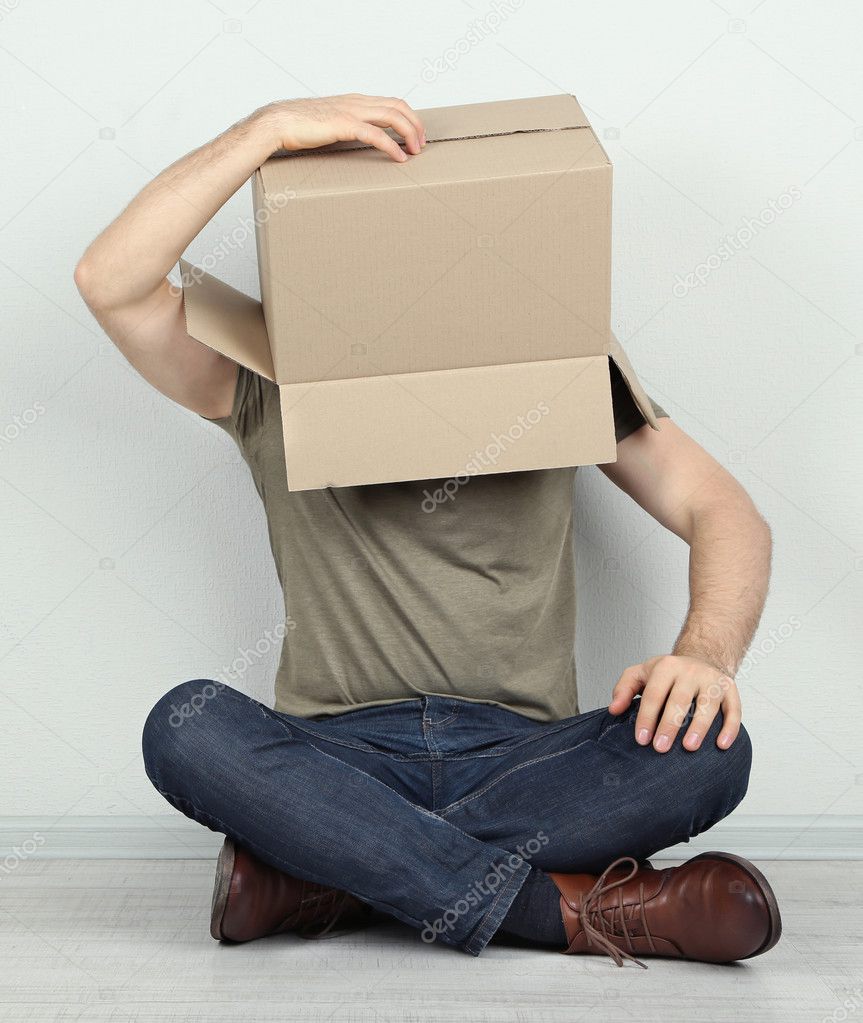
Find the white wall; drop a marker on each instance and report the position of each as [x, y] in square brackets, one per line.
[134, 552]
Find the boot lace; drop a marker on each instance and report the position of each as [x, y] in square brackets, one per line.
[605, 925]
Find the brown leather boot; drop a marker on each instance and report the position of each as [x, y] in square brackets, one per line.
[715, 908]
[252, 899]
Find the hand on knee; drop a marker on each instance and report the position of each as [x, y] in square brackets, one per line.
[681, 698]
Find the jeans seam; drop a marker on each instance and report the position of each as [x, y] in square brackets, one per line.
[459, 803]
[442, 721]
[500, 751]
[455, 707]
[542, 732]
[477, 935]
[357, 745]
[289, 867]
[614, 724]
[276, 716]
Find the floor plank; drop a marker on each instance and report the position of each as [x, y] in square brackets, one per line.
[126, 940]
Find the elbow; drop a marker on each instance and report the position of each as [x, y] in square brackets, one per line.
[731, 508]
[753, 524]
[84, 278]
[765, 533]
[755, 521]
[92, 285]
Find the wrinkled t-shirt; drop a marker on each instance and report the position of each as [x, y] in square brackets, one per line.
[398, 590]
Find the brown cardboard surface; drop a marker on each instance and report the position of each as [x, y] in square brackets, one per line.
[451, 423]
[411, 310]
[419, 279]
[557, 112]
[485, 158]
[504, 117]
[226, 319]
[639, 396]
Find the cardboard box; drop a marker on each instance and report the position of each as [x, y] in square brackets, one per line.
[438, 318]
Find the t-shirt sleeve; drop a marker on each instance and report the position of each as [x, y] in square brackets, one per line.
[627, 417]
[246, 414]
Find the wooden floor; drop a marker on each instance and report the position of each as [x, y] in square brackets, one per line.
[127, 940]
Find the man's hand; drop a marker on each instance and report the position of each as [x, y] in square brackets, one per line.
[686, 490]
[123, 275]
[668, 685]
[309, 123]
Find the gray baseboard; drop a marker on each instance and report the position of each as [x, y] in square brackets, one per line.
[172, 836]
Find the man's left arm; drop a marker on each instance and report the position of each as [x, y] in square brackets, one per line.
[686, 490]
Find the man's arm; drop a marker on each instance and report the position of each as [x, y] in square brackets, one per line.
[123, 274]
[689, 492]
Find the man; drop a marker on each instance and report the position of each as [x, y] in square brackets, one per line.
[425, 757]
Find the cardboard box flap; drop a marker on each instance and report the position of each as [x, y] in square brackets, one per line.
[448, 423]
[639, 396]
[505, 117]
[469, 121]
[483, 159]
[226, 320]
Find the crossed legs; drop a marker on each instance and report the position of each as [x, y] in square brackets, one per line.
[334, 810]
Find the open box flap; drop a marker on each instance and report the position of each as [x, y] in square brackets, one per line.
[448, 423]
[639, 396]
[469, 121]
[226, 320]
[504, 117]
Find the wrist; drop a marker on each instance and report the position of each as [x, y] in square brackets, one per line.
[258, 132]
[702, 652]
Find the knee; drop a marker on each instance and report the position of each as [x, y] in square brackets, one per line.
[724, 773]
[737, 760]
[167, 737]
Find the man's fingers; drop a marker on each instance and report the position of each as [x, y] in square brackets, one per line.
[371, 135]
[360, 107]
[673, 715]
[669, 684]
[307, 124]
[630, 682]
[661, 677]
[732, 714]
[401, 106]
[389, 117]
[721, 693]
[706, 709]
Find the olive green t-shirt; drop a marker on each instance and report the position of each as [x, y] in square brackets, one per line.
[391, 593]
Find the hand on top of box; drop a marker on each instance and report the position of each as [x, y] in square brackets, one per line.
[351, 304]
[309, 123]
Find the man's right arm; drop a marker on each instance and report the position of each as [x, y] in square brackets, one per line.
[123, 274]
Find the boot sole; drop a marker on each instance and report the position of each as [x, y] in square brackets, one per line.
[775, 931]
[222, 888]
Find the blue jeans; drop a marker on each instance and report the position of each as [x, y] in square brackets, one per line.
[433, 810]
